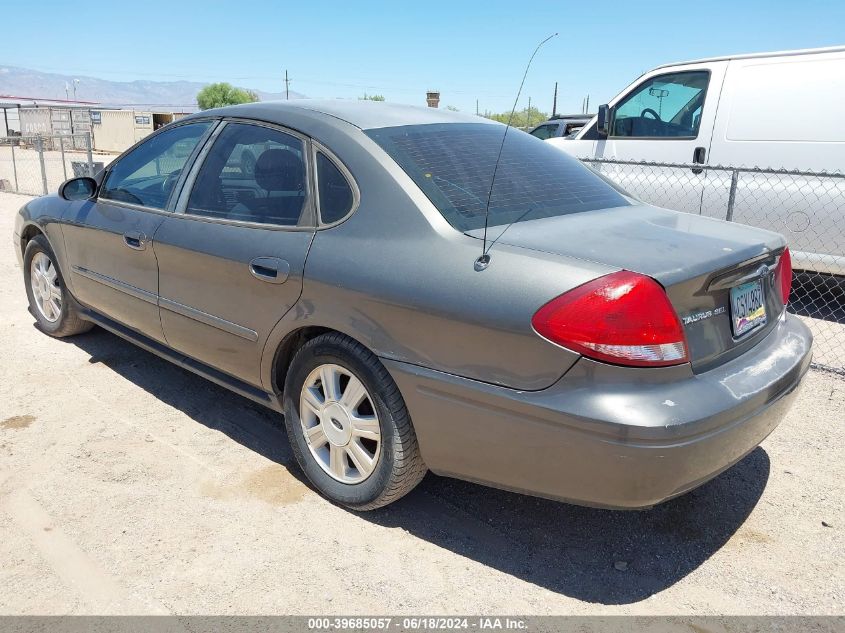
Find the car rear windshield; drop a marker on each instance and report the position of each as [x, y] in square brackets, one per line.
[453, 164]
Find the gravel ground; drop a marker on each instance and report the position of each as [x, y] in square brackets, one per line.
[128, 485]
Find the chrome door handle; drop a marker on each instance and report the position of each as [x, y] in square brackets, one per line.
[135, 240]
[270, 269]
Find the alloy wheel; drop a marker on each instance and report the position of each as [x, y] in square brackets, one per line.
[44, 281]
[340, 423]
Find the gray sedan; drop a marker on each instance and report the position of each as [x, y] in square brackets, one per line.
[602, 351]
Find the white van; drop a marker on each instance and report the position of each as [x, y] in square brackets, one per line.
[769, 110]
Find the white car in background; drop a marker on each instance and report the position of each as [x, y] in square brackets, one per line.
[769, 110]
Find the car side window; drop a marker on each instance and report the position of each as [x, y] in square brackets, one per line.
[251, 174]
[665, 106]
[146, 175]
[544, 131]
[336, 197]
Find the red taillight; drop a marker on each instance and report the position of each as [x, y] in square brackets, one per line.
[783, 275]
[622, 318]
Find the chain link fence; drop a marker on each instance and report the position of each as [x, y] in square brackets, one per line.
[37, 165]
[808, 208]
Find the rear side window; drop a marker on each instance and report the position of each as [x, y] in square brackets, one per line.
[336, 196]
[147, 175]
[251, 174]
[453, 164]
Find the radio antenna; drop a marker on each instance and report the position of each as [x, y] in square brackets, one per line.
[484, 260]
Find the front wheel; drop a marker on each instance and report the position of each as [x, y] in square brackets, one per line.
[348, 425]
[49, 300]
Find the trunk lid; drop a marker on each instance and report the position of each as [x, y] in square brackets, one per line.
[696, 259]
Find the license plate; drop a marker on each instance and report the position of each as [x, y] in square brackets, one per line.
[748, 307]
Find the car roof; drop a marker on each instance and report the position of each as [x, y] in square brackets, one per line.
[802, 51]
[568, 117]
[363, 114]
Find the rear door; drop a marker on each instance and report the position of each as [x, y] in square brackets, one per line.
[113, 267]
[231, 258]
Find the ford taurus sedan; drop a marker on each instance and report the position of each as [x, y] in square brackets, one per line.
[603, 352]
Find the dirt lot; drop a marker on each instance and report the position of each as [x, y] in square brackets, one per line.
[128, 485]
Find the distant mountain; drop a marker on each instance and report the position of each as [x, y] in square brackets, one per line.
[164, 95]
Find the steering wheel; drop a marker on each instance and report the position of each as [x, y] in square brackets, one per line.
[651, 112]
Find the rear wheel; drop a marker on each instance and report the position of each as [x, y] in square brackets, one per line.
[348, 425]
[49, 300]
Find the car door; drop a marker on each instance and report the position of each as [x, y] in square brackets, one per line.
[113, 266]
[667, 117]
[231, 258]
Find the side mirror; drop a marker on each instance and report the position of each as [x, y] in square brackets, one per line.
[81, 188]
[603, 123]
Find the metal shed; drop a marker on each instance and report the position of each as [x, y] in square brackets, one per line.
[51, 121]
[115, 130]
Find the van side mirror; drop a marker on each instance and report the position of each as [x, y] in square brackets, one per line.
[603, 123]
[81, 188]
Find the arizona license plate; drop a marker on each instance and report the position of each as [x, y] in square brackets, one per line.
[748, 307]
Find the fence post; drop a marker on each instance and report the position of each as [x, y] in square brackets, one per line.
[14, 166]
[64, 164]
[39, 146]
[90, 156]
[732, 195]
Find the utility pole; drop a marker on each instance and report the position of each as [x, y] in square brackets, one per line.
[287, 86]
[587, 108]
[476, 107]
[528, 118]
[554, 103]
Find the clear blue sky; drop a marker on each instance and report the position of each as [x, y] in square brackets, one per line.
[467, 50]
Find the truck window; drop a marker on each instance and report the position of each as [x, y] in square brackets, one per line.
[544, 131]
[666, 106]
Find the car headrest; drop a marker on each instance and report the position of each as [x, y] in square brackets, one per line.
[279, 170]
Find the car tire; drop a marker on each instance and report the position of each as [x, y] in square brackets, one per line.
[398, 465]
[60, 316]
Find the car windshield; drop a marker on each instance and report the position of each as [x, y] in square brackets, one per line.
[453, 164]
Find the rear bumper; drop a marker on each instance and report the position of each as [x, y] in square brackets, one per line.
[608, 436]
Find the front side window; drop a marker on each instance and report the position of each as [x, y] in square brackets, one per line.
[544, 131]
[252, 174]
[453, 165]
[147, 175]
[664, 106]
[336, 198]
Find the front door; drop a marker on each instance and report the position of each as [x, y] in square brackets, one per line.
[231, 259]
[666, 118]
[109, 240]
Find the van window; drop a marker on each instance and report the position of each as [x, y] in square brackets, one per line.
[666, 106]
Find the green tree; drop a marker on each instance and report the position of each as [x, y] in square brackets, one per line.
[367, 97]
[521, 118]
[223, 94]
